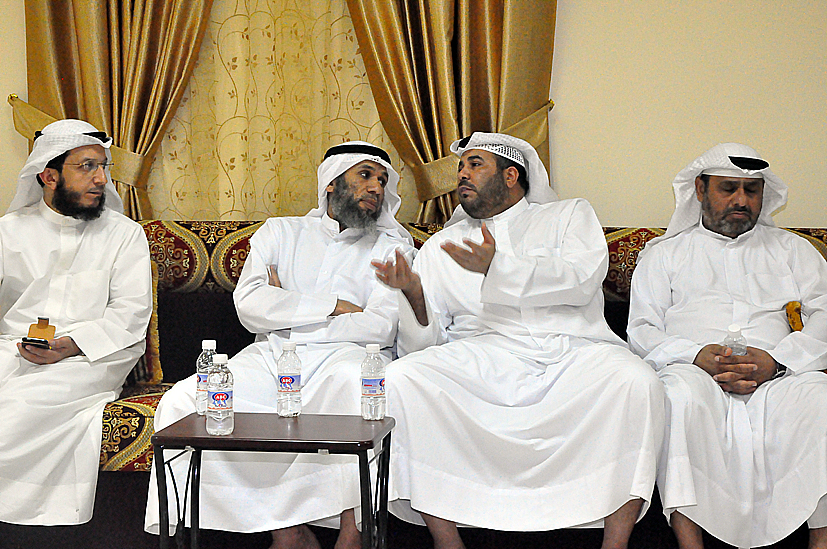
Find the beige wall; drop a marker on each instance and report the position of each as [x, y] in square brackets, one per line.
[643, 87]
[14, 149]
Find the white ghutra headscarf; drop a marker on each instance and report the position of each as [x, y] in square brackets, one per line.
[339, 159]
[54, 140]
[516, 150]
[725, 159]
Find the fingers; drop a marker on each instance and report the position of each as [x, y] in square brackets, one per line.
[744, 368]
[487, 237]
[273, 276]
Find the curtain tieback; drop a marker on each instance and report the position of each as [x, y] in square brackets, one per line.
[440, 176]
[28, 119]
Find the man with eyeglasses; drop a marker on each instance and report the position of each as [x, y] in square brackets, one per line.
[68, 254]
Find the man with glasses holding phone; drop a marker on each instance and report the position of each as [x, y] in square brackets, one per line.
[68, 254]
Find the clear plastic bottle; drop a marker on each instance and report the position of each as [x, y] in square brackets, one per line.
[735, 341]
[202, 368]
[290, 381]
[220, 419]
[373, 384]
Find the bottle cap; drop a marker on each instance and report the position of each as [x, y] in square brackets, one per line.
[372, 347]
[288, 346]
[208, 344]
[734, 329]
[219, 359]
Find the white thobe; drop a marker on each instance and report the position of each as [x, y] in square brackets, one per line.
[316, 265]
[93, 281]
[517, 408]
[748, 469]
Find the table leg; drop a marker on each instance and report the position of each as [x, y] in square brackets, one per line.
[367, 503]
[382, 493]
[195, 465]
[163, 504]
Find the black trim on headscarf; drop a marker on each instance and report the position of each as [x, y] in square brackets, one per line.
[746, 163]
[348, 148]
[100, 136]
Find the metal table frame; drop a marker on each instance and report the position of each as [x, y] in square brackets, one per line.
[307, 433]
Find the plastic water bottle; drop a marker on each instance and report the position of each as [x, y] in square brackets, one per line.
[220, 419]
[202, 368]
[373, 384]
[290, 381]
[735, 341]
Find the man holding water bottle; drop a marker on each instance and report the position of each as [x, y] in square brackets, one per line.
[745, 452]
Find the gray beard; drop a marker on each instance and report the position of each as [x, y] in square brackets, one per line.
[346, 210]
[724, 227]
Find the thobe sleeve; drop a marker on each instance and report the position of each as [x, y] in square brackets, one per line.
[651, 297]
[806, 351]
[126, 317]
[263, 308]
[566, 274]
[412, 335]
[375, 324]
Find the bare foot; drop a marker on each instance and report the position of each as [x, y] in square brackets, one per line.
[444, 532]
[349, 535]
[294, 537]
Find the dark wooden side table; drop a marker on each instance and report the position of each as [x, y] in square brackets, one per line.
[308, 433]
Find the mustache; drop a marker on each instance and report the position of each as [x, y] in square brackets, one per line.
[738, 209]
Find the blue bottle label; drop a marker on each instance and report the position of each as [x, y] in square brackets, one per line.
[219, 400]
[202, 381]
[290, 383]
[373, 386]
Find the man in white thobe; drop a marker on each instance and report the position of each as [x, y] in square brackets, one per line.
[517, 408]
[69, 254]
[308, 280]
[745, 451]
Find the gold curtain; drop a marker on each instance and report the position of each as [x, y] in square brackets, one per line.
[442, 69]
[277, 82]
[118, 64]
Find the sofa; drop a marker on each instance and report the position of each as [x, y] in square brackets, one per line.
[196, 266]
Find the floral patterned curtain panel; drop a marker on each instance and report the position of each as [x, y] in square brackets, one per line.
[276, 84]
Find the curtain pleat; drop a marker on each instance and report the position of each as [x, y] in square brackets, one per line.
[120, 65]
[442, 69]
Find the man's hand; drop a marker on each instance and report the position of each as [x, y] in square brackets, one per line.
[343, 307]
[399, 275]
[478, 258]
[273, 277]
[62, 347]
[736, 374]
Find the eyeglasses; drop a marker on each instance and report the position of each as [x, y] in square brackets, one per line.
[91, 166]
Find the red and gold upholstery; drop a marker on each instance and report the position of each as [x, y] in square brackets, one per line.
[207, 257]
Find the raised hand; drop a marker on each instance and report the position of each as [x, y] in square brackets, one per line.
[477, 257]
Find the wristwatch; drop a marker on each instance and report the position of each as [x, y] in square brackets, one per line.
[780, 370]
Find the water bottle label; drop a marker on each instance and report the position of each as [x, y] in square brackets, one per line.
[373, 386]
[202, 382]
[290, 383]
[219, 400]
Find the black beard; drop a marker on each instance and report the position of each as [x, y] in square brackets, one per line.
[489, 199]
[67, 203]
[720, 225]
[346, 210]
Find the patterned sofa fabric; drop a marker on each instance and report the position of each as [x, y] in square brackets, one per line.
[206, 257]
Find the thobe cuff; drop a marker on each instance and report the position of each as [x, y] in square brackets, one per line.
[412, 335]
[93, 341]
[800, 353]
[318, 306]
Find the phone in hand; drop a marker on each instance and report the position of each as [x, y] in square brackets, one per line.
[37, 342]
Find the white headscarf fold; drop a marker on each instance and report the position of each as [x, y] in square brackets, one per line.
[338, 163]
[719, 158]
[54, 140]
[539, 190]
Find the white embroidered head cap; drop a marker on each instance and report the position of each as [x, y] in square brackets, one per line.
[339, 159]
[726, 159]
[516, 150]
[55, 139]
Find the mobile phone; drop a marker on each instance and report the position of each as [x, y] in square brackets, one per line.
[37, 342]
